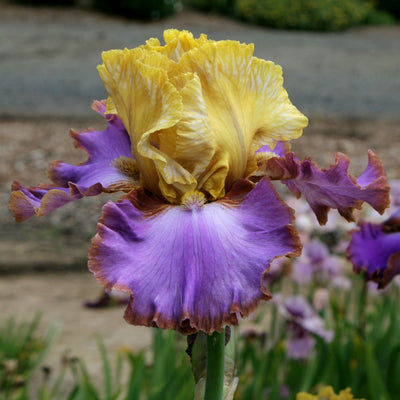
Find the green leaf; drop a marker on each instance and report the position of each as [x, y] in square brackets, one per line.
[375, 382]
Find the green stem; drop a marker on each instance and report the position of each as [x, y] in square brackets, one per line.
[215, 366]
[363, 308]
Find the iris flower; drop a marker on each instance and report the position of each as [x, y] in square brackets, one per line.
[197, 129]
[303, 324]
[375, 249]
[327, 393]
[316, 262]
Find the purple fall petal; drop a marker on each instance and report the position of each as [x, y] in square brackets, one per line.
[375, 248]
[196, 269]
[334, 187]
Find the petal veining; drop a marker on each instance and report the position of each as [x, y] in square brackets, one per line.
[246, 103]
[176, 43]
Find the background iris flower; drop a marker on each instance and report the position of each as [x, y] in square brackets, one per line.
[303, 324]
[327, 393]
[375, 249]
[197, 129]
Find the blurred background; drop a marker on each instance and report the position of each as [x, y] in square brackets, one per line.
[340, 62]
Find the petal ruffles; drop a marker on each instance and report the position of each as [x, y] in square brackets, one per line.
[331, 188]
[196, 269]
[27, 202]
[110, 167]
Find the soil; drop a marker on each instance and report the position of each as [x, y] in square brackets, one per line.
[43, 261]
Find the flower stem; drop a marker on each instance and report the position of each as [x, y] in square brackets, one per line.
[215, 366]
[362, 303]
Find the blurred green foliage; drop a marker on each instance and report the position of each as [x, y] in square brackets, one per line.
[224, 7]
[22, 350]
[390, 6]
[364, 356]
[317, 15]
[326, 15]
[139, 9]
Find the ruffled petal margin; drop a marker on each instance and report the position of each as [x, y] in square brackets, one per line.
[375, 248]
[196, 269]
[110, 167]
[27, 202]
[331, 188]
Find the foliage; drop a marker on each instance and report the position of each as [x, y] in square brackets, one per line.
[44, 2]
[224, 7]
[22, 350]
[363, 359]
[364, 356]
[167, 377]
[327, 15]
[390, 6]
[139, 9]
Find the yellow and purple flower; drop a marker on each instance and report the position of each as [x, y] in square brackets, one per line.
[192, 126]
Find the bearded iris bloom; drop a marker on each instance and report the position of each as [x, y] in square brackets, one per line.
[197, 129]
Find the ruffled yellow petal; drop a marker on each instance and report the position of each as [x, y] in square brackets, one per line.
[219, 66]
[176, 43]
[146, 102]
[195, 144]
[246, 103]
[190, 142]
[275, 118]
[197, 110]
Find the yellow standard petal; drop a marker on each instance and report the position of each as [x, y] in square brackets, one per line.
[190, 143]
[247, 107]
[195, 143]
[146, 102]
